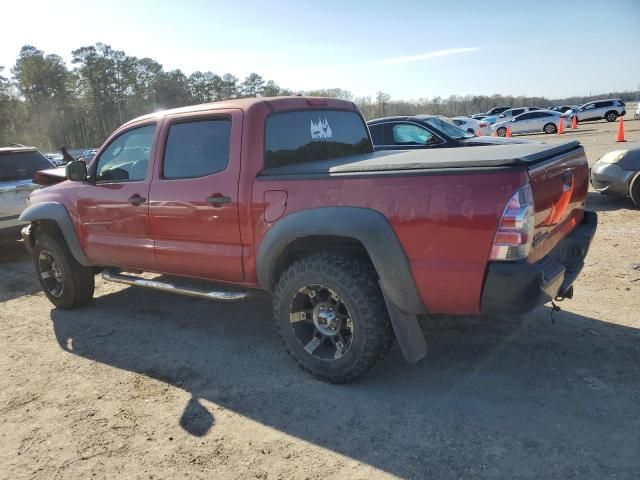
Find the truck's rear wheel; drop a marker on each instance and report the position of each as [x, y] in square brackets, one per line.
[331, 316]
[65, 282]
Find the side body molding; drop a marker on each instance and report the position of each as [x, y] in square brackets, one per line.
[58, 213]
[373, 230]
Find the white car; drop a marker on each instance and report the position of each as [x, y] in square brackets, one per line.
[471, 125]
[637, 114]
[545, 121]
[508, 114]
[608, 110]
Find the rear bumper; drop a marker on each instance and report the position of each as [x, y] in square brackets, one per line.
[519, 287]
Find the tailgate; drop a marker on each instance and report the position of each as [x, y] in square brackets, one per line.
[560, 187]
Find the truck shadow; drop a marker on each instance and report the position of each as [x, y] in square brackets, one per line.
[490, 393]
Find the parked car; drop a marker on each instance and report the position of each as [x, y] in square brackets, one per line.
[563, 108]
[287, 195]
[608, 110]
[76, 153]
[545, 121]
[637, 114]
[425, 131]
[56, 158]
[471, 125]
[88, 155]
[18, 164]
[508, 114]
[493, 112]
[618, 173]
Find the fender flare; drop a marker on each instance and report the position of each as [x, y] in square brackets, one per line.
[57, 212]
[373, 230]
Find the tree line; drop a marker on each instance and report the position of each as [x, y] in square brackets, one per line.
[46, 104]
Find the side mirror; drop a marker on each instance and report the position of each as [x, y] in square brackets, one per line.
[501, 115]
[513, 119]
[76, 171]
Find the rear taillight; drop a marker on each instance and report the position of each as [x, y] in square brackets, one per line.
[515, 231]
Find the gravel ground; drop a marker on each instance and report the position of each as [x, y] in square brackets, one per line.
[147, 385]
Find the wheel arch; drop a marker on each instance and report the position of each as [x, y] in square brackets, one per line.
[55, 213]
[359, 230]
[615, 112]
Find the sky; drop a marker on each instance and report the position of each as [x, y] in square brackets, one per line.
[409, 49]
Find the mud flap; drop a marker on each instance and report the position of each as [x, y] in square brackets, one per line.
[408, 333]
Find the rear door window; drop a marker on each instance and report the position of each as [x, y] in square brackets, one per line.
[526, 116]
[197, 149]
[311, 135]
[409, 134]
[22, 165]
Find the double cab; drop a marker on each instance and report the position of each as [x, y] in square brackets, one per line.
[288, 196]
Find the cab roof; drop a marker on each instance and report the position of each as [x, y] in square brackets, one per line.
[272, 103]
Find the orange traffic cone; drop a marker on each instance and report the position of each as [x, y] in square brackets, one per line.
[574, 122]
[561, 126]
[620, 136]
[508, 131]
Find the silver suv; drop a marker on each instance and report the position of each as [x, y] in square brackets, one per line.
[17, 167]
[609, 110]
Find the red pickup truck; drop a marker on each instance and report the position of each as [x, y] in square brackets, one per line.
[287, 195]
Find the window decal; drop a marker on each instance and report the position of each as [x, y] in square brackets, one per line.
[321, 130]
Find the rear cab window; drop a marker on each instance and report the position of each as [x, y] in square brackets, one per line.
[22, 165]
[307, 136]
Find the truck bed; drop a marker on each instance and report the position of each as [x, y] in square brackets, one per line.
[431, 159]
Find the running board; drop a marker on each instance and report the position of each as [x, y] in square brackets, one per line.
[113, 276]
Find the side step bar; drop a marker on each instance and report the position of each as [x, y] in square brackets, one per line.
[114, 276]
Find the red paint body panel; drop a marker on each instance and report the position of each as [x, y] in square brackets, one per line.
[554, 214]
[445, 221]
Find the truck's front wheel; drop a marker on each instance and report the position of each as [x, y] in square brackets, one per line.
[332, 317]
[65, 282]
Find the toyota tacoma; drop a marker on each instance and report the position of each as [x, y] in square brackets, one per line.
[288, 196]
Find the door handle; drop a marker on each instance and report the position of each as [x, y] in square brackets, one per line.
[218, 200]
[136, 200]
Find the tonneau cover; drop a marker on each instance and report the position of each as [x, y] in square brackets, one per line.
[429, 159]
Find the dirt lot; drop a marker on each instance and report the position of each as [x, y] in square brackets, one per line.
[148, 385]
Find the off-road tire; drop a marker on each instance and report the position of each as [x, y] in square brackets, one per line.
[611, 116]
[550, 128]
[356, 282]
[77, 280]
[634, 189]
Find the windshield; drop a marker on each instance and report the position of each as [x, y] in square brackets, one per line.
[447, 127]
[22, 165]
